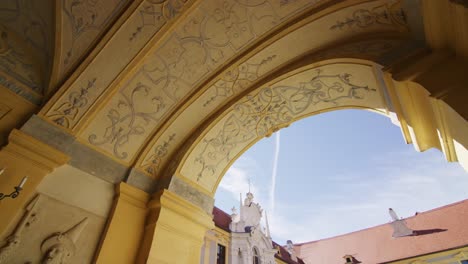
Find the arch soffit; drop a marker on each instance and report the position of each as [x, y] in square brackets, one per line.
[120, 128]
[186, 123]
[317, 88]
[253, 70]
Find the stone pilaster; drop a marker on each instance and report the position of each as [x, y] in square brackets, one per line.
[125, 227]
[175, 230]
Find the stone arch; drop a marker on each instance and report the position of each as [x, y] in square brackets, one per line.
[101, 119]
[311, 89]
[308, 90]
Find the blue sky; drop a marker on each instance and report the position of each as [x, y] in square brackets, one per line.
[339, 172]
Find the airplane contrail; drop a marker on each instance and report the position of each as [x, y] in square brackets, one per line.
[274, 173]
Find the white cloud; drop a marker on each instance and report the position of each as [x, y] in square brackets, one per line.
[236, 181]
[274, 173]
[283, 228]
[414, 182]
[406, 181]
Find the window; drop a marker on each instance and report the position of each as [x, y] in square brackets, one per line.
[221, 256]
[256, 256]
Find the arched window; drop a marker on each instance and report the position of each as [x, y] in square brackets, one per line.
[256, 256]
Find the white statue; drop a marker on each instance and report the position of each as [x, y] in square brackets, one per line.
[248, 199]
[399, 226]
[393, 215]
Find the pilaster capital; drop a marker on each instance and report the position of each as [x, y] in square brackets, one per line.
[166, 199]
[38, 153]
[131, 195]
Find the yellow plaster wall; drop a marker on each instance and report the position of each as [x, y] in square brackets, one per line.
[279, 261]
[457, 132]
[24, 156]
[175, 230]
[418, 111]
[124, 231]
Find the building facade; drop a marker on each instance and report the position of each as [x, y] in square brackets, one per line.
[241, 238]
[119, 118]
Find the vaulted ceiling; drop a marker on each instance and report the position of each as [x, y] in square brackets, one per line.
[44, 41]
[171, 59]
[134, 80]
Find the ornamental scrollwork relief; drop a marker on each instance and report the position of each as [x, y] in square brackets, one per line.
[392, 15]
[154, 161]
[16, 63]
[156, 13]
[85, 16]
[202, 44]
[23, 18]
[81, 13]
[83, 25]
[66, 112]
[262, 113]
[237, 79]
[33, 29]
[128, 120]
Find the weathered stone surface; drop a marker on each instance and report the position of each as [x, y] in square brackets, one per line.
[192, 195]
[141, 181]
[82, 157]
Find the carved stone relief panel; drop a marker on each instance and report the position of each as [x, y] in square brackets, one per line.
[264, 111]
[13, 240]
[241, 77]
[53, 232]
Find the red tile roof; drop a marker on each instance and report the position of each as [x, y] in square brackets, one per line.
[285, 256]
[436, 230]
[222, 220]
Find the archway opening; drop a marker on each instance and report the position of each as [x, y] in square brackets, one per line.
[339, 172]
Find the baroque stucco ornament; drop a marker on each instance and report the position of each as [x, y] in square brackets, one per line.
[271, 109]
[177, 68]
